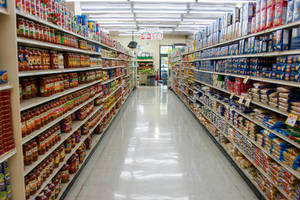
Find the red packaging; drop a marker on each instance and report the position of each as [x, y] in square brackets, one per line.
[263, 19]
[270, 16]
[258, 22]
[270, 3]
[263, 4]
[280, 13]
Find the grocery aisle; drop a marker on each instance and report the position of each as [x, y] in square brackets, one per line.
[151, 153]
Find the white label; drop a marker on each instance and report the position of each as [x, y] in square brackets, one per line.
[241, 100]
[247, 103]
[291, 120]
[246, 79]
[232, 95]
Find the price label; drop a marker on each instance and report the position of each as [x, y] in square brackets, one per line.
[241, 100]
[232, 95]
[247, 103]
[291, 120]
[246, 79]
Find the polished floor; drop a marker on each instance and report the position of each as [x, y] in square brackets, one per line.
[156, 150]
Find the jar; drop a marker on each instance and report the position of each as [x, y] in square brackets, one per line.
[27, 187]
[27, 153]
[65, 173]
[61, 153]
[34, 151]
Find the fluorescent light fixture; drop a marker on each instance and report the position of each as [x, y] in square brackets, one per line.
[108, 16]
[106, 11]
[107, 1]
[111, 25]
[198, 20]
[157, 25]
[160, 11]
[129, 34]
[94, 6]
[110, 20]
[160, 6]
[165, 1]
[226, 1]
[114, 22]
[190, 26]
[159, 19]
[195, 23]
[157, 15]
[207, 12]
[121, 29]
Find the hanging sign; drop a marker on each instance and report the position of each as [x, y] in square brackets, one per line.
[148, 35]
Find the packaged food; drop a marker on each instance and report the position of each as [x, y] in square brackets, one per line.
[280, 13]
[296, 10]
[281, 40]
[290, 11]
[295, 38]
[263, 19]
[3, 76]
[270, 16]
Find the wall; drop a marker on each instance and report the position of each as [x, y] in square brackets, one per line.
[152, 46]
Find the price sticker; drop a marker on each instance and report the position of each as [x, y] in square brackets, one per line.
[247, 103]
[241, 100]
[291, 120]
[246, 79]
[231, 96]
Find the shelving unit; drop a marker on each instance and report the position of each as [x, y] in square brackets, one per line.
[193, 75]
[9, 61]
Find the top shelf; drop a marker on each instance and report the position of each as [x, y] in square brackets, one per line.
[36, 19]
[289, 25]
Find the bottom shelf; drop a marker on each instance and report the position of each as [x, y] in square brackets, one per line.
[244, 173]
[95, 141]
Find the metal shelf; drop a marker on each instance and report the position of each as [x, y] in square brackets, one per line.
[289, 25]
[55, 71]
[268, 54]
[113, 67]
[7, 155]
[295, 173]
[39, 20]
[253, 102]
[47, 45]
[26, 104]
[52, 123]
[110, 80]
[274, 81]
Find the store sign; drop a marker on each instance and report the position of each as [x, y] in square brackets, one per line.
[152, 35]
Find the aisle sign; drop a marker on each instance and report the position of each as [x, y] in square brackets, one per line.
[291, 120]
[157, 35]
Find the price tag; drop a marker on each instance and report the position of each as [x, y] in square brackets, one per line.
[291, 120]
[246, 79]
[241, 100]
[247, 103]
[232, 95]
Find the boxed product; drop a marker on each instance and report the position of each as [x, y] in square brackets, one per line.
[281, 40]
[290, 11]
[295, 38]
[280, 12]
[296, 11]
[263, 19]
[270, 16]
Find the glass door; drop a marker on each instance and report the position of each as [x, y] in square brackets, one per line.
[164, 63]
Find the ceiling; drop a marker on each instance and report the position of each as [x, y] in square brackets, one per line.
[171, 17]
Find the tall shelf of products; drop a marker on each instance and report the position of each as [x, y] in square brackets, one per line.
[66, 83]
[240, 78]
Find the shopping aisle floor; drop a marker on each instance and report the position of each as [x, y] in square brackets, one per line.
[156, 150]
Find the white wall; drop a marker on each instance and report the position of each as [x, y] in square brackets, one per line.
[152, 46]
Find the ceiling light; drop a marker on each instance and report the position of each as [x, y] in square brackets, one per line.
[156, 25]
[186, 30]
[106, 11]
[129, 34]
[198, 20]
[106, 20]
[108, 16]
[158, 15]
[160, 6]
[111, 25]
[159, 19]
[207, 12]
[160, 11]
[226, 1]
[114, 22]
[167, 1]
[97, 1]
[194, 23]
